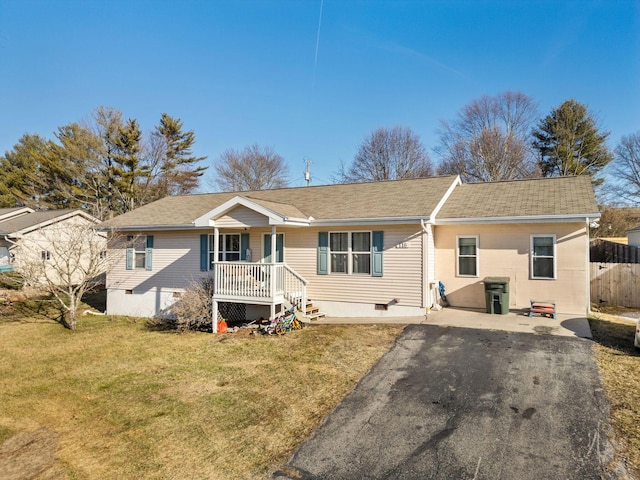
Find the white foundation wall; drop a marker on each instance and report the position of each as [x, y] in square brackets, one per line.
[353, 310]
[141, 303]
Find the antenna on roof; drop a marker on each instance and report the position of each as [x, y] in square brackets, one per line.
[307, 173]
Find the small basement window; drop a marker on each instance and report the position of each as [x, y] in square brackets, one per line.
[382, 306]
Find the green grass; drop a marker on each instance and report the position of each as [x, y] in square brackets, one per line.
[126, 402]
[619, 364]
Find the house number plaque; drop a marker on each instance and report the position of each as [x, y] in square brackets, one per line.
[402, 245]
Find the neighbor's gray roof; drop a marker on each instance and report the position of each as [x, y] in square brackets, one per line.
[28, 220]
[4, 211]
[517, 198]
[400, 198]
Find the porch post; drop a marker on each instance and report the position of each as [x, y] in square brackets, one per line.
[216, 244]
[273, 244]
[216, 249]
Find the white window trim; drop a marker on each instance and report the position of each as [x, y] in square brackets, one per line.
[350, 252]
[531, 256]
[222, 248]
[477, 255]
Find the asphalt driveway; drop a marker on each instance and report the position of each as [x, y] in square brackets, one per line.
[457, 403]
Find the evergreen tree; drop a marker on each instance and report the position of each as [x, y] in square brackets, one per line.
[127, 171]
[25, 179]
[108, 123]
[569, 142]
[173, 160]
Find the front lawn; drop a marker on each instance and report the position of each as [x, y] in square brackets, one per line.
[116, 400]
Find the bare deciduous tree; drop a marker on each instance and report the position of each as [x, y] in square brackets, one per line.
[490, 140]
[68, 260]
[388, 154]
[627, 166]
[252, 168]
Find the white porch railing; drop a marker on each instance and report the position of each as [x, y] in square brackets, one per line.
[265, 283]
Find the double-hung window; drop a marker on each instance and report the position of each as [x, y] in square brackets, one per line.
[358, 253]
[467, 256]
[139, 252]
[350, 252]
[361, 252]
[339, 251]
[228, 245]
[543, 256]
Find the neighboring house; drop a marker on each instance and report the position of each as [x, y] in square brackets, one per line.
[31, 241]
[633, 237]
[368, 249]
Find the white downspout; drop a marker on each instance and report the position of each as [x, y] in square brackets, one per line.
[588, 261]
[426, 297]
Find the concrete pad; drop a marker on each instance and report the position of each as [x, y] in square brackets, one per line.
[515, 321]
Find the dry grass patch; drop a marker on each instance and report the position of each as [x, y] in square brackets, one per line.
[125, 402]
[619, 364]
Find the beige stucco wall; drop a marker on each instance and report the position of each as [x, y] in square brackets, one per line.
[504, 251]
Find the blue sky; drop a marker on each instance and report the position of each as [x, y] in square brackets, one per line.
[241, 72]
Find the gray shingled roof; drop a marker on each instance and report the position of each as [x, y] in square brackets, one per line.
[543, 196]
[28, 220]
[4, 211]
[400, 198]
[392, 199]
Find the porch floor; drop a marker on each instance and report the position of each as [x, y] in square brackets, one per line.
[515, 321]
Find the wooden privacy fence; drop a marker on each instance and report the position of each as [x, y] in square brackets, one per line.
[615, 284]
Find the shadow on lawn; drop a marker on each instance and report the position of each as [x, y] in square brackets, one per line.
[614, 335]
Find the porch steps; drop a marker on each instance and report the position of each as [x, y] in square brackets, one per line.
[311, 312]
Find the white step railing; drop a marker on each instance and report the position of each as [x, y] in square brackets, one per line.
[295, 288]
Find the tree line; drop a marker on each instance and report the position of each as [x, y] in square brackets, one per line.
[108, 166]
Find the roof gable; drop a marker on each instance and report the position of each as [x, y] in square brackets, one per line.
[33, 220]
[275, 212]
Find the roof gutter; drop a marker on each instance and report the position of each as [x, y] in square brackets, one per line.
[369, 221]
[563, 218]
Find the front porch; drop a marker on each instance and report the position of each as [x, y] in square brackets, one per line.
[259, 284]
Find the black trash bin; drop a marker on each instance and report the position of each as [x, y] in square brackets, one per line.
[496, 293]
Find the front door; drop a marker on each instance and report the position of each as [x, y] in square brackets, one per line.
[279, 248]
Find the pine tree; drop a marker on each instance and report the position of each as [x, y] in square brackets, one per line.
[569, 142]
[127, 170]
[174, 161]
[25, 179]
